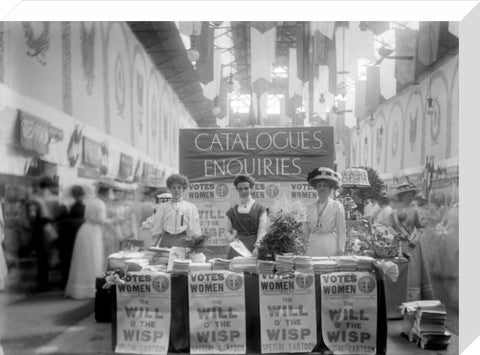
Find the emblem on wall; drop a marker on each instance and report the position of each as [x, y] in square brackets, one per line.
[395, 140]
[413, 129]
[88, 56]
[37, 43]
[119, 85]
[435, 120]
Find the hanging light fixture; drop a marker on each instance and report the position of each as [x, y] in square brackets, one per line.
[192, 54]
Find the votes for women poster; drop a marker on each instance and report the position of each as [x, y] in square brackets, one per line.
[349, 312]
[217, 312]
[143, 313]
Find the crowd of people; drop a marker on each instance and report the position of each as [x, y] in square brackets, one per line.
[80, 237]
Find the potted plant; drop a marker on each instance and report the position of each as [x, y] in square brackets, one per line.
[285, 233]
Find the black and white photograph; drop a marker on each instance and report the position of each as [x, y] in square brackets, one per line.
[263, 185]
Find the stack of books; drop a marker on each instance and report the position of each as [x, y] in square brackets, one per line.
[364, 263]
[244, 264]
[160, 256]
[220, 264]
[303, 263]
[200, 267]
[425, 323]
[181, 266]
[324, 265]
[346, 263]
[284, 264]
[265, 267]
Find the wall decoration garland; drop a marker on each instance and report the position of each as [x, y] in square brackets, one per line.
[88, 55]
[119, 84]
[37, 46]
[435, 120]
[413, 119]
[140, 97]
[379, 143]
[395, 140]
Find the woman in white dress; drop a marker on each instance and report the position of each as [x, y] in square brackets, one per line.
[326, 217]
[88, 259]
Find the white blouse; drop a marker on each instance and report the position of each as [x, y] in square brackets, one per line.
[176, 217]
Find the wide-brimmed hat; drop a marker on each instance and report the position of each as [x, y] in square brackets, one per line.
[403, 188]
[165, 195]
[324, 174]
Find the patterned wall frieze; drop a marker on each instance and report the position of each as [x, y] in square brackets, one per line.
[67, 68]
[87, 47]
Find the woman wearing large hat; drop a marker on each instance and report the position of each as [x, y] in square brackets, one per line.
[407, 222]
[326, 217]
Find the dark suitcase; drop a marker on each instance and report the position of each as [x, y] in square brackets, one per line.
[103, 302]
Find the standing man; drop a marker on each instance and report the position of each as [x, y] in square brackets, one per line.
[176, 220]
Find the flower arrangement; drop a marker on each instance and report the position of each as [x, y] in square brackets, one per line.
[373, 239]
[285, 233]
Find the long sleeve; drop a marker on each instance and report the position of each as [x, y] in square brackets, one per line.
[341, 228]
[157, 227]
[262, 226]
[194, 222]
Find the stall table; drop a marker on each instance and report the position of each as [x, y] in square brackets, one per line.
[180, 331]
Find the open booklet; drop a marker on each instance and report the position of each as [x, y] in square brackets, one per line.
[240, 248]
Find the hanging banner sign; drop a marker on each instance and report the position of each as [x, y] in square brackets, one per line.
[143, 313]
[275, 154]
[217, 312]
[92, 152]
[349, 312]
[148, 171]
[287, 313]
[34, 134]
[126, 166]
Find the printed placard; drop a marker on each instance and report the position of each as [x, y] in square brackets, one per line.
[143, 313]
[287, 313]
[217, 312]
[349, 312]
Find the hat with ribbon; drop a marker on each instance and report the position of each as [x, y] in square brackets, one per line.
[324, 174]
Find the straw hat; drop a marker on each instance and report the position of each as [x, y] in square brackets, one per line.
[324, 174]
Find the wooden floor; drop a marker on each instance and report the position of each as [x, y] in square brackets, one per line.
[89, 337]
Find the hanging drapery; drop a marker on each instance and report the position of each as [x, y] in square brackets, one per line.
[263, 37]
[205, 49]
[326, 28]
[303, 51]
[295, 87]
[388, 83]
[406, 44]
[212, 89]
[427, 45]
[373, 98]
[262, 54]
[360, 99]
[378, 27]
[190, 27]
[324, 55]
